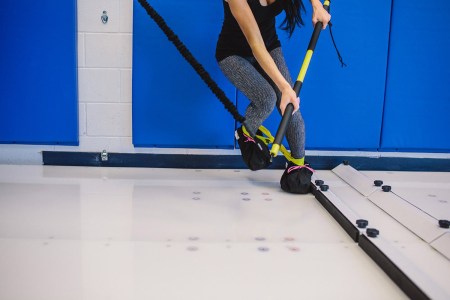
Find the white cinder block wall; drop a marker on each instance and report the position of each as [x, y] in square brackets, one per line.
[104, 75]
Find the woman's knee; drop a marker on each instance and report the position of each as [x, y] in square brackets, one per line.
[297, 122]
[267, 99]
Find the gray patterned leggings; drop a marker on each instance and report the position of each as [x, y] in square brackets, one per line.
[249, 78]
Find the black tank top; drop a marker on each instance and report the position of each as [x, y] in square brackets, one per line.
[232, 40]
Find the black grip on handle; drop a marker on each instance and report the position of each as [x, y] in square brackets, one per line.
[286, 116]
[285, 121]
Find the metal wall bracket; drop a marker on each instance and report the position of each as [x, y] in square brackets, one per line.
[104, 155]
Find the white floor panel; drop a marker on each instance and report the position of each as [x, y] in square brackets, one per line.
[442, 245]
[428, 191]
[215, 272]
[422, 224]
[362, 208]
[90, 233]
[417, 200]
[432, 201]
[405, 230]
[34, 269]
[424, 266]
[356, 179]
[117, 233]
[40, 269]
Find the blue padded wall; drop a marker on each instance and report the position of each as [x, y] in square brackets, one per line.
[342, 107]
[392, 96]
[38, 74]
[172, 107]
[417, 107]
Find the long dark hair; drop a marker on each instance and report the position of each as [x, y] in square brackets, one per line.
[293, 10]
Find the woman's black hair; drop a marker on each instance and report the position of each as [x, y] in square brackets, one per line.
[293, 10]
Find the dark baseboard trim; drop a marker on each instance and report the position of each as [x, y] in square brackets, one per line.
[142, 160]
[194, 161]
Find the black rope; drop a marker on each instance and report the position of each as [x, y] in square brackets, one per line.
[193, 61]
[335, 47]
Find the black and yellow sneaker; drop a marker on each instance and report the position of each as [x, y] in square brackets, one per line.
[296, 179]
[254, 151]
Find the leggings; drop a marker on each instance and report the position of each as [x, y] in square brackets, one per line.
[248, 77]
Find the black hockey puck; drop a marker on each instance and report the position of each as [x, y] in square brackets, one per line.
[378, 182]
[362, 223]
[386, 188]
[319, 182]
[372, 232]
[444, 223]
[324, 187]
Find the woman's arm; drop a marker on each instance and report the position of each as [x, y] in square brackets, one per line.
[244, 16]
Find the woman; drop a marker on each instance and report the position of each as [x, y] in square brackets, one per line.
[249, 54]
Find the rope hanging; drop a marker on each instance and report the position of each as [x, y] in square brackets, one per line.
[341, 60]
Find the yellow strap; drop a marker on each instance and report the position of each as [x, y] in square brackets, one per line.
[245, 130]
[268, 139]
[298, 161]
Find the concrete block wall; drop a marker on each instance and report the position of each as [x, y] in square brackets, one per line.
[104, 75]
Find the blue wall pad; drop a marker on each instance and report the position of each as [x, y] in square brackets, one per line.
[342, 107]
[172, 107]
[417, 108]
[38, 74]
